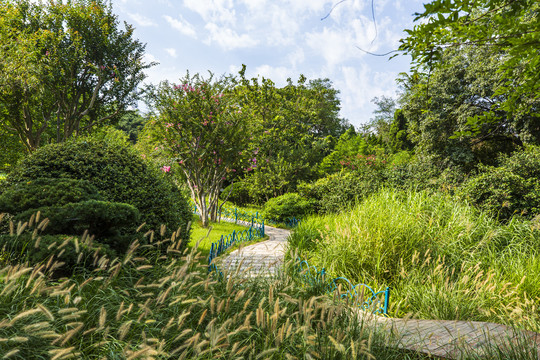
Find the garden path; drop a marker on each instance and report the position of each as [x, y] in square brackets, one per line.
[439, 338]
[260, 259]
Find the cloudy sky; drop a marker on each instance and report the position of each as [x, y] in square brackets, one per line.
[278, 39]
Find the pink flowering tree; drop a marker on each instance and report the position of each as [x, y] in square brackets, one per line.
[200, 128]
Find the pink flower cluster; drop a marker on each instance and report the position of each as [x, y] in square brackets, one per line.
[166, 168]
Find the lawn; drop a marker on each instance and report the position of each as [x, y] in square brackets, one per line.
[211, 234]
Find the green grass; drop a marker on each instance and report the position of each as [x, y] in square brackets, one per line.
[156, 302]
[207, 236]
[442, 258]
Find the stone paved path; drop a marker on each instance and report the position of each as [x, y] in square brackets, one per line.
[438, 338]
[259, 259]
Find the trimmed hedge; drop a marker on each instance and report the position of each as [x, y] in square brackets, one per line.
[65, 249]
[46, 192]
[105, 220]
[119, 174]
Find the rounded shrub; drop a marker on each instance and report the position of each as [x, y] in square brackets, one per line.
[337, 192]
[107, 221]
[119, 174]
[239, 193]
[287, 206]
[512, 188]
[38, 193]
[67, 250]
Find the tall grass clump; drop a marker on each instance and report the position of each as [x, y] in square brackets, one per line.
[156, 304]
[443, 258]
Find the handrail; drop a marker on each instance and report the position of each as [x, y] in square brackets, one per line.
[372, 302]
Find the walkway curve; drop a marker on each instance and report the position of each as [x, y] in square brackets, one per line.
[260, 259]
[447, 339]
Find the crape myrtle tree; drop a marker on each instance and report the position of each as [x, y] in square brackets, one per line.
[200, 128]
[65, 68]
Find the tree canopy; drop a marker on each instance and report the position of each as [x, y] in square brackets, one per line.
[65, 68]
[510, 28]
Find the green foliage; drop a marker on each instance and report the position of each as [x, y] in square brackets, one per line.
[132, 124]
[12, 150]
[287, 206]
[442, 257]
[202, 130]
[71, 69]
[340, 191]
[349, 145]
[398, 135]
[119, 174]
[291, 128]
[68, 251]
[511, 189]
[509, 28]
[46, 192]
[103, 219]
[240, 194]
[440, 105]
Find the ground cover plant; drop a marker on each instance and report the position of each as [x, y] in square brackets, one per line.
[443, 258]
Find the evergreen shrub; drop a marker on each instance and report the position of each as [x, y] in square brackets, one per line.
[240, 194]
[512, 188]
[340, 191]
[106, 220]
[287, 206]
[119, 174]
[46, 192]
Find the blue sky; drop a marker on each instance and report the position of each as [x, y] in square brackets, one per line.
[278, 39]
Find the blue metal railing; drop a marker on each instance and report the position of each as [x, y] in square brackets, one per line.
[360, 295]
[255, 231]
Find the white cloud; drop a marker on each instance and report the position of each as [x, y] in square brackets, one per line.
[181, 25]
[278, 75]
[141, 20]
[358, 86]
[220, 11]
[334, 45]
[297, 57]
[227, 38]
[171, 52]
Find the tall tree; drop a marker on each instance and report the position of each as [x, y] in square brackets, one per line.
[200, 128]
[509, 27]
[66, 67]
[441, 105]
[292, 129]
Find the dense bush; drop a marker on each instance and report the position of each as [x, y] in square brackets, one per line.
[68, 251]
[119, 174]
[103, 219]
[340, 191]
[513, 188]
[240, 194]
[46, 192]
[287, 206]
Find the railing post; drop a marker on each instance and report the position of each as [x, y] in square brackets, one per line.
[252, 220]
[386, 300]
[234, 236]
[235, 215]
[262, 229]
